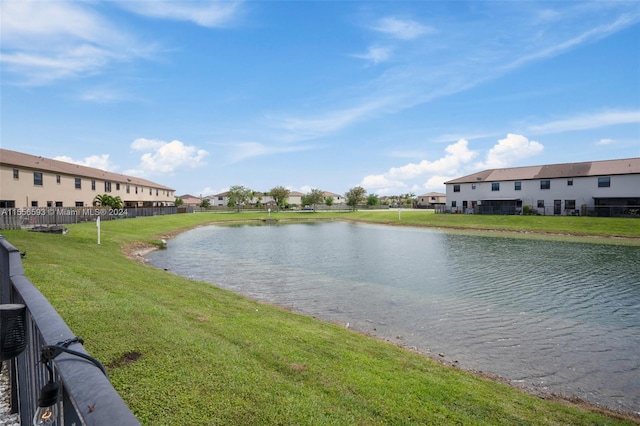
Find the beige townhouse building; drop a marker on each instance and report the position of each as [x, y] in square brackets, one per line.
[30, 181]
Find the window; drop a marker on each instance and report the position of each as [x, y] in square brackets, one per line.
[456, 188]
[16, 174]
[58, 179]
[79, 204]
[117, 186]
[454, 204]
[156, 192]
[570, 204]
[49, 203]
[136, 189]
[128, 189]
[541, 204]
[545, 184]
[569, 182]
[58, 203]
[34, 204]
[604, 182]
[464, 205]
[473, 186]
[517, 186]
[93, 185]
[37, 179]
[495, 186]
[107, 186]
[78, 183]
[150, 191]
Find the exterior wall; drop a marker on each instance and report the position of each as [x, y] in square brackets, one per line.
[25, 193]
[429, 200]
[583, 191]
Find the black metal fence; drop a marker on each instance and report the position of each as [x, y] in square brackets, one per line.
[86, 395]
[18, 218]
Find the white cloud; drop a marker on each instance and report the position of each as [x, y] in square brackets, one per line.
[167, 157]
[47, 41]
[96, 161]
[510, 150]
[605, 142]
[457, 161]
[401, 29]
[589, 121]
[375, 54]
[203, 13]
[457, 155]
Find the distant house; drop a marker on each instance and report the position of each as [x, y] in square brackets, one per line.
[337, 199]
[31, 181]
[190, 200]
[604, 188]
[431, 200]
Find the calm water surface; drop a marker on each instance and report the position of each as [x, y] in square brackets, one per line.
[557, 316]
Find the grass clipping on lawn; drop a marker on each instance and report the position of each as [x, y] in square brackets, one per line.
[185, 352]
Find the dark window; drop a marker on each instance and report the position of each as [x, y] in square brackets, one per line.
[37, 179]
[128, 189]
[456, 188]
[473, 186]
[545, 184]
[49, 203]
[107, 186]
[517, 186]
[604, 182]
[93, 185]
[79, 204]
[78, 183]
[541, 204]
[156, 192]
[150, 191]
[58, 179]
[464, 205]
[117, 186]
[58, 203]
[569, 182]
[136, 189]
[34, 204]
[454, 204]
[570, 204]
[16, 174]
[495, 186]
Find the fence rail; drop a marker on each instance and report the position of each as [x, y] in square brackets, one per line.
[87, 397]
[19, 218]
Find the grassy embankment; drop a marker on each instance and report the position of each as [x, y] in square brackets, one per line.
[185, 352]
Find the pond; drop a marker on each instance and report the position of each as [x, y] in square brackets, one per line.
[560, 317]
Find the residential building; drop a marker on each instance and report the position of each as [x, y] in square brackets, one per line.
[431, 200]
[604, 188]
[190, 200]
[30, 181]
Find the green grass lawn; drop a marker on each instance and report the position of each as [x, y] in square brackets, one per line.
[186, 352]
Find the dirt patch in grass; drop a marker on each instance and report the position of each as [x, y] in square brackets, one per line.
[125, 359]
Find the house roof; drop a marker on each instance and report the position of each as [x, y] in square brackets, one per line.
[433, 194]
[34, 162]
[565, 170]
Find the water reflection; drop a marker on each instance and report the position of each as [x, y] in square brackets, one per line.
[560, 316]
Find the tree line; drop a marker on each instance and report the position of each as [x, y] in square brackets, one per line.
[239, 196]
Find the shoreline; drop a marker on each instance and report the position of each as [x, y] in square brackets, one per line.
[137, 252]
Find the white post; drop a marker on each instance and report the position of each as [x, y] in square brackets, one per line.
[98, 226]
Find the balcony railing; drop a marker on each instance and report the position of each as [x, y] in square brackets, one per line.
[86, 394]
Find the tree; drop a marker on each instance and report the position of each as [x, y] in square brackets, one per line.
[238, 196]
[314, 197]
[280, 195]
[178, 202]
[355, 196]
[106, 200]
[373, 200]
[329, 201]
[204, 204]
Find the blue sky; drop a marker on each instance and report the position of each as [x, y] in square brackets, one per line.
[396, 97]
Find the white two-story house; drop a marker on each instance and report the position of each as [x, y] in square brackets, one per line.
[604, 188]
